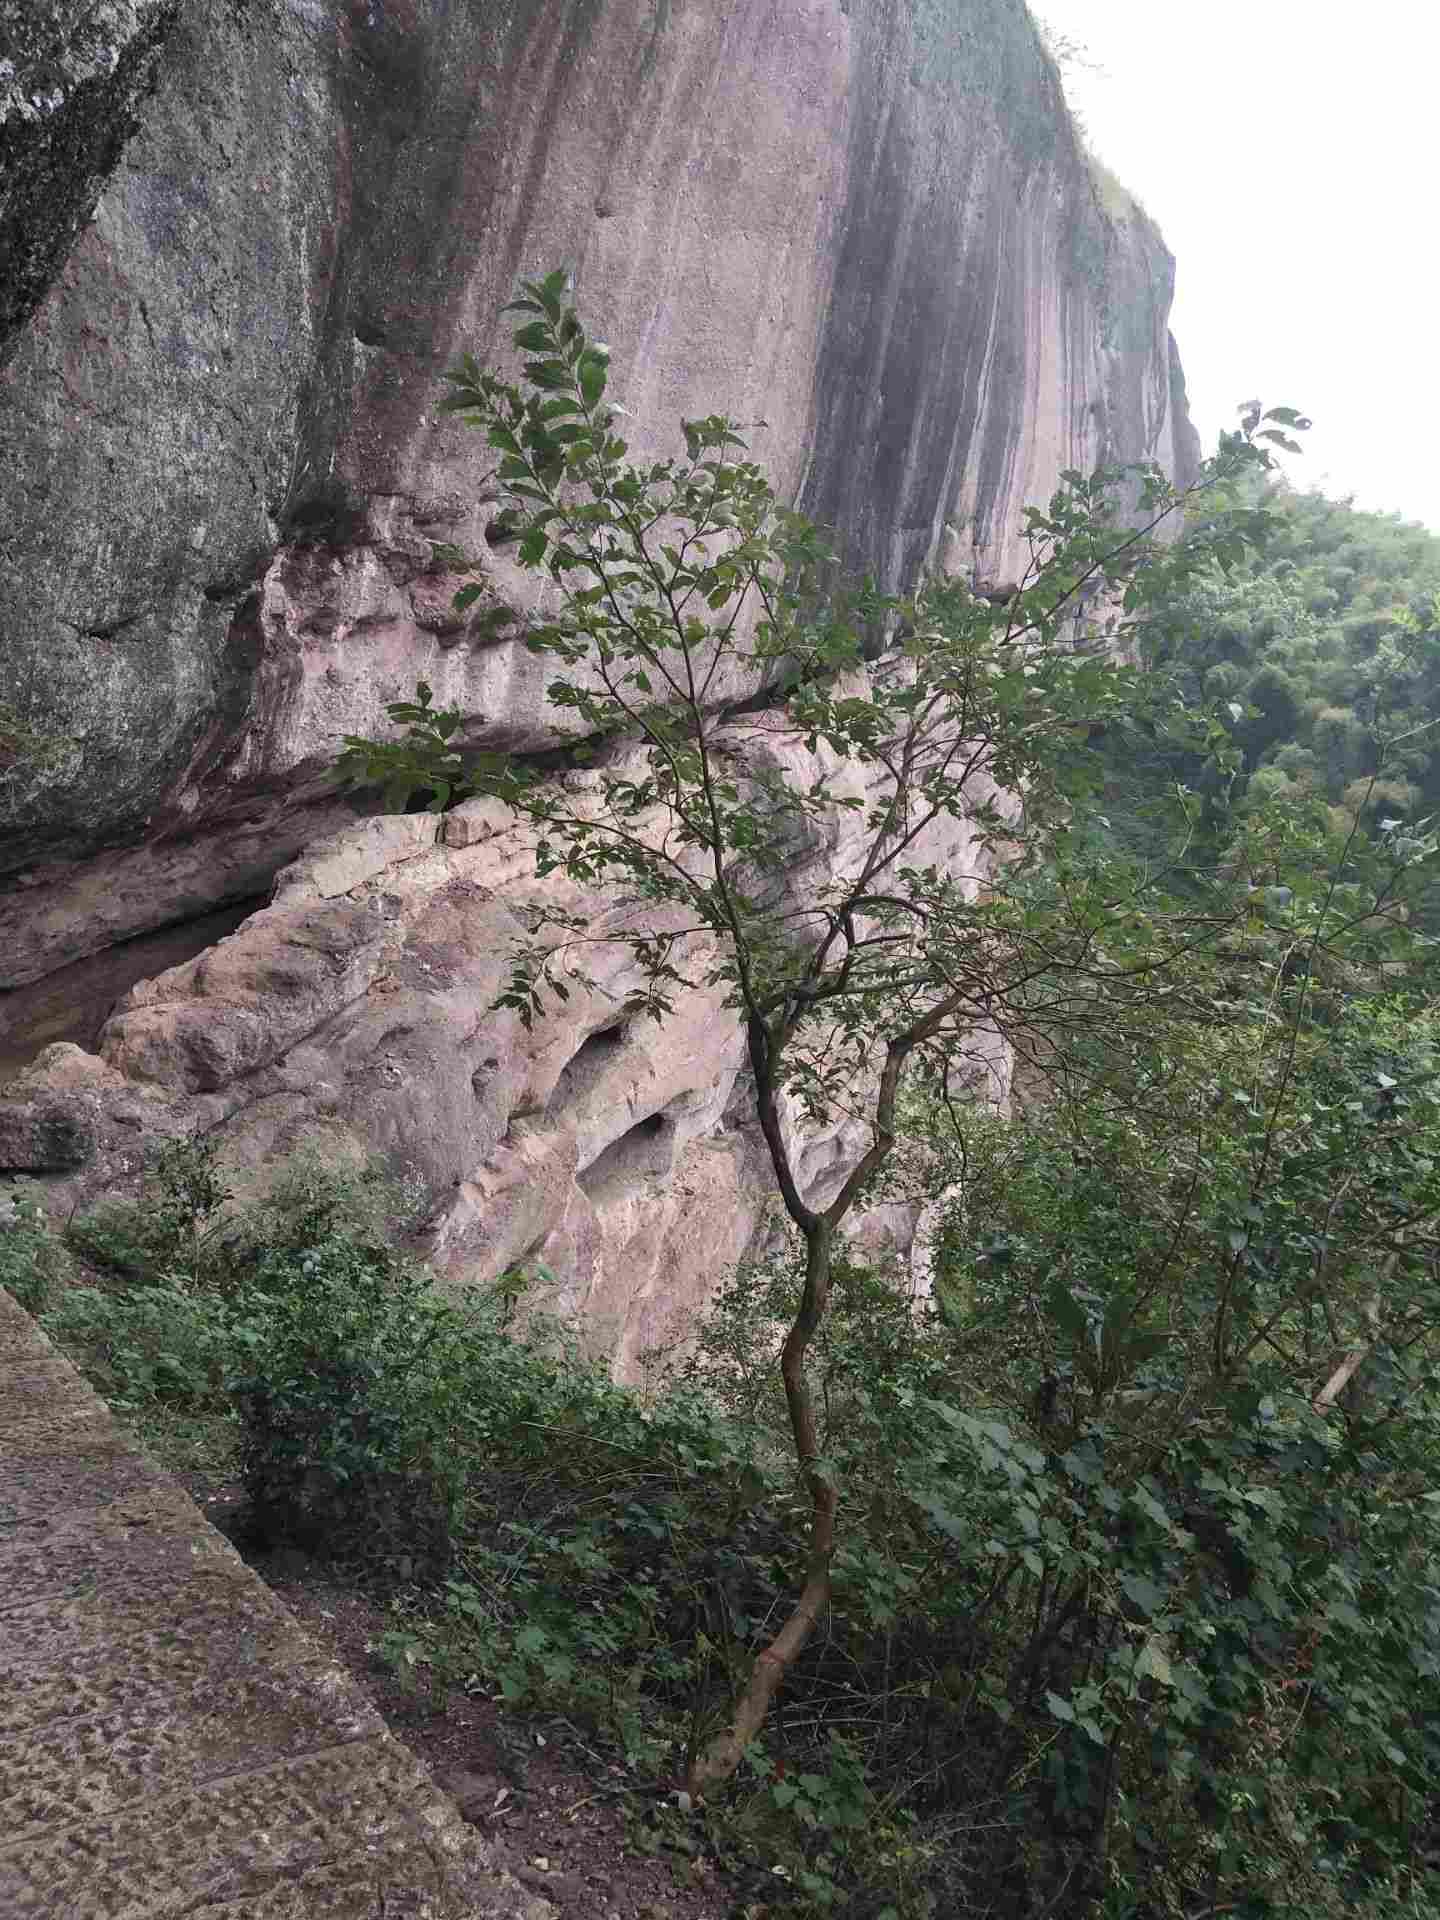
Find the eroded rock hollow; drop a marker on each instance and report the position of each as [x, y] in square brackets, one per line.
[867, 228]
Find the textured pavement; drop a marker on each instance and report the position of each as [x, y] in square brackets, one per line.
[171, 1742]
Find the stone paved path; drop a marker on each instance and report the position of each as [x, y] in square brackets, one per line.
[171, 1743]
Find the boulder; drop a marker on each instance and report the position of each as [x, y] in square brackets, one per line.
[53, 1135]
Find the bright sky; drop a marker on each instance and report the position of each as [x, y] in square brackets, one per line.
[1290, 151]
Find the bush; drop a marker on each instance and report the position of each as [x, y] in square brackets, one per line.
[350, 1378]
[148, 1345]
[315, 1197]
[617, 1561]
[193, 1299]
[32, 1259]
[177, 1233]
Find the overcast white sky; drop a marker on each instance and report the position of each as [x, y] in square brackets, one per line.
[1290, 151]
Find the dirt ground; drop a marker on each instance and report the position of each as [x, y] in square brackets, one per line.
[568, 1822]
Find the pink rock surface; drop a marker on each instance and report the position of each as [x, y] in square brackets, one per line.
[864, 227]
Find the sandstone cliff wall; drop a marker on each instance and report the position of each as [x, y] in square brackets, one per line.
[613, 1159]
[863, 225]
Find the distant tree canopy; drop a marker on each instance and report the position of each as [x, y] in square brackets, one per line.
[1329, 642]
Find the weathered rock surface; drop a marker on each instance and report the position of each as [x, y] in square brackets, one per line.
[170, 1741]
[865, 225]
[73, 74]
[75, 1002]
[612, 1159]
[361, 1022]
[43, 1136]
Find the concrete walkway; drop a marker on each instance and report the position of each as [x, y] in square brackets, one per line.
[171, 1742]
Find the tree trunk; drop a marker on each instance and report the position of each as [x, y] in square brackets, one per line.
[719, 1760]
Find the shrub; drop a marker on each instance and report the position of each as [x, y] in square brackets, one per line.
[349, 1379]
[194, 1297]
[148, 1344]
[179, 1230]
[32, 1259]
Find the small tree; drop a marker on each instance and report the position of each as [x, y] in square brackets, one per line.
[939, 741]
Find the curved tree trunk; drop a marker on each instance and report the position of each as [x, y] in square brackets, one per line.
[723, 1755]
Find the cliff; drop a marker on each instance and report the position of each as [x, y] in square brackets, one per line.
[864, 227]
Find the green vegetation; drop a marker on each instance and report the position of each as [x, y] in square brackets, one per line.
[32, 1263]
[1322, 645]
[1101, 1579]
[944, 736]
[1135, 1607]
[1332, 634]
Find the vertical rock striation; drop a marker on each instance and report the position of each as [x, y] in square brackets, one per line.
[866, 227]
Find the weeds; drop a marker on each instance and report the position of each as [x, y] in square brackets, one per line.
[1032, 1641]
[33, 1262]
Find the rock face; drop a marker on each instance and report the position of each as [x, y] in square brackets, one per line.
[73, 75]
[611, 1159]
[865, 226]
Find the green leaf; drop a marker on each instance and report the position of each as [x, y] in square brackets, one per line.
[593, 371]
[552, 376]
[1144, 1593]
[1067, 1311]
[1154, 1663]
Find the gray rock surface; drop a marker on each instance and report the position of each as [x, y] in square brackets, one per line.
[73, 76]
[170, 1740]
[866, 227]
[44, 1136]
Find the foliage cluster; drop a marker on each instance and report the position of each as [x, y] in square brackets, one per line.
[1323, 643]
[1136, 1607]
[287, 1338]
[1211, 1314]
[32, 1262]
[1115, 1564]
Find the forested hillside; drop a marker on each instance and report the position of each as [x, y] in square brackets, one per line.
[1323, 645]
